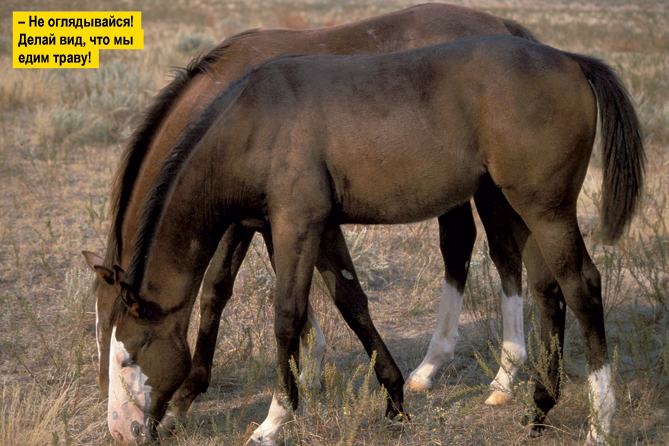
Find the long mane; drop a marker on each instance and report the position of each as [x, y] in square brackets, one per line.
[167, 178]
[138, 145]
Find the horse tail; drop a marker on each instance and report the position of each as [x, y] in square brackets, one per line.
[518, 30]
[623, 156]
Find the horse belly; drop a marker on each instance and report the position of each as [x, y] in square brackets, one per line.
[405, 190]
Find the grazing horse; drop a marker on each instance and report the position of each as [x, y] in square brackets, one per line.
[187, 95]
[304, 144]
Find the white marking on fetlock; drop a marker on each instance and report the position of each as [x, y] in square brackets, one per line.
[268, 431]
[442, 344]
[513, 349]
[603, 403]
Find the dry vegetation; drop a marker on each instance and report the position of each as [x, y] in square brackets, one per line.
[61, 133]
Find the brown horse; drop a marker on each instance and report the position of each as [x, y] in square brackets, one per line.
[187, 95]
[304, 144]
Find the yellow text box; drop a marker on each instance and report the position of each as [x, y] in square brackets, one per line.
[72, 39]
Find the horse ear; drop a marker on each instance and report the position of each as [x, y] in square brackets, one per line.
[105, 274]
[92, 259]
[132, 300]
[119, 274]
[95, 262]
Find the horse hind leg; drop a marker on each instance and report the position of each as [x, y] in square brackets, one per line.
[506, 234]
[564, 252]
[457, 234]
[552, 306]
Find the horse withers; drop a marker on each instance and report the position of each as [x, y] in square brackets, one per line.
[304, 144]
[195, 87]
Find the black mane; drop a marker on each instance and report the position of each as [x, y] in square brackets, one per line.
[135, 151]
[169, 173]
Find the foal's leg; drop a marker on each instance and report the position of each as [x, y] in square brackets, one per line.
[335, 265]
[563, 249]
[296, 235]
[553, 310]
[320, 346]
[506, 234]
[216, 291]
[457, 234]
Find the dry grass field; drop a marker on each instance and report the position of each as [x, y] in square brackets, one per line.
[62, 132]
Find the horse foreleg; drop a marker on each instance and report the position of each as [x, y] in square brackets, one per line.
[320, 346]
[295, 239]
[335, 265]
[216, 291]
[457, 234]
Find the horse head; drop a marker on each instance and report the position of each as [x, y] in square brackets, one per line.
[147, 354]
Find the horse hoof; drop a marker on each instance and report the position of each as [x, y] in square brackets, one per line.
[536, 433]
[395, 424]
[596, 440]
[169, 424]
[497, 398]
[314, 385]
[255, 442]
[536, 424]
[417, 385]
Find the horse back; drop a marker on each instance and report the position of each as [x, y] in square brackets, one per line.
[423, 126]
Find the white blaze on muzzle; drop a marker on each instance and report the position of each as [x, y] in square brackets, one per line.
[129, 396]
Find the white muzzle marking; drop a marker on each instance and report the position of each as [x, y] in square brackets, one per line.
[129, 396]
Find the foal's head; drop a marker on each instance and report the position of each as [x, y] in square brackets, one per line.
[147, 354]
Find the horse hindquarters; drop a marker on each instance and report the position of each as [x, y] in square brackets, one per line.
[541, 175]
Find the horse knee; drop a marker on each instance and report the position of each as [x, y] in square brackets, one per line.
[288, 326]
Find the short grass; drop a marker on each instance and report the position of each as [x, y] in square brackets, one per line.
[61, 133]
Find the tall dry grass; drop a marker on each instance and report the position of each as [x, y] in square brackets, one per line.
[61, 133]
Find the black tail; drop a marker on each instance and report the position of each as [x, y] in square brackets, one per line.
[623, 156]
[518, 30]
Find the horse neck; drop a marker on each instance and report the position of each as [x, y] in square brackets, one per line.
[186, 237]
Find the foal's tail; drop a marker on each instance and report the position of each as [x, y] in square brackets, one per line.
[518, 30]
[623, 156]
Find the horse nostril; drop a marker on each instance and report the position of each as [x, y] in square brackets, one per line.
[136, 429]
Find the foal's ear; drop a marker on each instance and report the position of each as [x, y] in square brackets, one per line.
[95, 262]
[119, 274]
[132, 300]
[92, 259]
